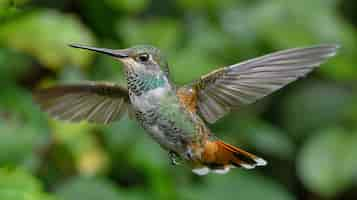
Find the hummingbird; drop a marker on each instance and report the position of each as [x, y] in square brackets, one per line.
[177, 117]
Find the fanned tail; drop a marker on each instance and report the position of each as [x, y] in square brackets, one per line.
[219, 157]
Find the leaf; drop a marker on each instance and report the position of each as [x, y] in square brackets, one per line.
[270, 140]
[12, 65]
[23, 131]
[312, 106]
[237, 185]
[4, 3]
[163, 33]
[326, 163]
[288, 24]
[89, 156]
[45, 35]
[17, 142]
[122, 135]
[205, 4]
[9, 8]
[194, 59]
[132, 6]
[82, 188]
[19, 185]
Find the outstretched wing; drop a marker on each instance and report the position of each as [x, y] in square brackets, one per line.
[94, 102]
[231, 87]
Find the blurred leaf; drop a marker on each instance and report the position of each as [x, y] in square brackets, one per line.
[237, 185]
[87, 189]
[122, 134]
[163, 33]
[4, 3]
[287, 24]
[19, 185]
[208, 38]
[327, 163]
[10, 8]
[12, 65]
[197, 61]
[18, 101]
[270, 140]
[149, 154]
[71, 75]
[46, 35]
[18, 142]
[313, 106]
[128, 5]
[23, 131]
[351, 113]
[82, 188]
[205, 4]
[90, 158]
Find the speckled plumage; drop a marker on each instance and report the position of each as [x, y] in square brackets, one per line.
[158, 110]
[175, 116]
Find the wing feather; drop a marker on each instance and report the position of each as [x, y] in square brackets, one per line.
[94, 102]
[234, 86]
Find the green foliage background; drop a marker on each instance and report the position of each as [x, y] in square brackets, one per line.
[307, 131]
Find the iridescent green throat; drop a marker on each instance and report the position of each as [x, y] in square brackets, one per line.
[151, 81]
[143, 82]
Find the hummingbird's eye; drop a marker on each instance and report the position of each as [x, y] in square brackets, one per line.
[144, 57]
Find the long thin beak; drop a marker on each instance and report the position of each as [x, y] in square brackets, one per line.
[110, 52]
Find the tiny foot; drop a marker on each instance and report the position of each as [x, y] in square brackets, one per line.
[174, 158]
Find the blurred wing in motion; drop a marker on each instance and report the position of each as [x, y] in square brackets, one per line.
[231, 87]
[94, 102]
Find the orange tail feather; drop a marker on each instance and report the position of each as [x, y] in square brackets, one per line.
[220, 157]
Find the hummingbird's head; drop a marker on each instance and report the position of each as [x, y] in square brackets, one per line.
[141, 57]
